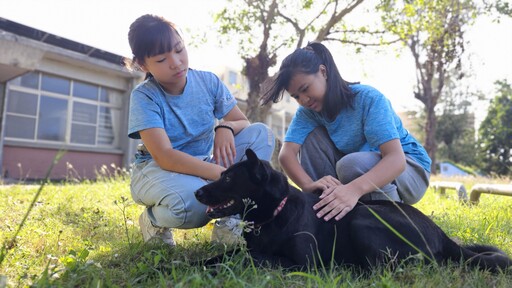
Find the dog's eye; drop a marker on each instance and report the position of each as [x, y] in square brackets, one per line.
[227, 179]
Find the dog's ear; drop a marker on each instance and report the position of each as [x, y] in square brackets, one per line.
[259, 171]
[252, 159]
[251, 156]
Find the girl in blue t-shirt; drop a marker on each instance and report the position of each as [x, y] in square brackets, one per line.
[345, 141]
[174, 112]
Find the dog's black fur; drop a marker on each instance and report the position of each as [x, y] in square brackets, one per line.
[295, 237]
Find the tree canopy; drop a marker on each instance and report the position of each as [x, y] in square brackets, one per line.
[264, 27]
[434, 33]
[494, 151]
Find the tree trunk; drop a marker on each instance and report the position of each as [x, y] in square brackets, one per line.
[430, 134]
[256, 70]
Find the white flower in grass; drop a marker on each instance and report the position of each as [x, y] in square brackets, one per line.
[247, 226]
[249, 204]
[249, 201]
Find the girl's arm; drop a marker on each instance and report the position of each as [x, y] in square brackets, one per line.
[338, 201]
[236, 120]
[290, 163]
[224, 150]
[158, 144]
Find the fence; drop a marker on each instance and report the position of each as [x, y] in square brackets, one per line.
[475, 192]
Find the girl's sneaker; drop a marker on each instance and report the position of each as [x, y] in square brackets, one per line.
[149, 231]
[228, 230]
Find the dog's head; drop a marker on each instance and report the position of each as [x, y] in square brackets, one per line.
[251, 188]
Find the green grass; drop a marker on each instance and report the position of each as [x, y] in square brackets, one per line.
[84, 235]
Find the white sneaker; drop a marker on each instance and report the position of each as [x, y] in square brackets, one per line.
[149, 231]
[228, 230]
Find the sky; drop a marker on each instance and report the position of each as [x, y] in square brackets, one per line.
[104, 24]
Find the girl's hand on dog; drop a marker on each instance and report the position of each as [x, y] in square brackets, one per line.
[336, 202]
[321, 184]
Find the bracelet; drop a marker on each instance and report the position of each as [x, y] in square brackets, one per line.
[224, 126]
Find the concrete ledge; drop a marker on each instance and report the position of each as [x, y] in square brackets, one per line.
[457, 186]
[496, 189]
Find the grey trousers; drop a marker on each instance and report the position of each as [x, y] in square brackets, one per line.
[320, 157]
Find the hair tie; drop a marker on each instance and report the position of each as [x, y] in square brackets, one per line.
[309, 48]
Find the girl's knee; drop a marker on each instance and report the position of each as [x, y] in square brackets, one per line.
[263, 133]
[258, 125]
[353, 165]
[259, 138]
[348, 168]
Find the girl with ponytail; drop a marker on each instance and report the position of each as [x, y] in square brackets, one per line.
[345, 141]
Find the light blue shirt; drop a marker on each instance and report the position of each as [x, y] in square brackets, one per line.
[371, 123]
[187, 119]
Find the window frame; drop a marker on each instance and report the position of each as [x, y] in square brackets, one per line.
[115, 109]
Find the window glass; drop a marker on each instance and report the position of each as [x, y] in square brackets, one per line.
[83, 134]
[30, 80]
[85, 113]
[55, 84]
[106, 129]
[84, 90]
[104, 95]
[94, 111]
[20, 127]
[52, 119]
[22, 103]
[111, 96]
[232, 78]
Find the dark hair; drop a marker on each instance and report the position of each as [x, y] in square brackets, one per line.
[150, 35]
[307, 60]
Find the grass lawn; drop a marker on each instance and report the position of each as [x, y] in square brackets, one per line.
[85, 235]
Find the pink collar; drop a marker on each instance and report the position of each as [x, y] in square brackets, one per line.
[280, 207]
[257, 227]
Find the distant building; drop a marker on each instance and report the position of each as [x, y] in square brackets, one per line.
[56, 93]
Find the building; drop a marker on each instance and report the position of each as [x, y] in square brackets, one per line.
[60, 95]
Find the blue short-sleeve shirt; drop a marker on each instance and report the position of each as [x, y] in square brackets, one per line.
[371, 123]
[187, 119]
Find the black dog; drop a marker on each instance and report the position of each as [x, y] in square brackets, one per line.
[285, 230]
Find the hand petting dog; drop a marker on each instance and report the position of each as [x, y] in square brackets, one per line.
[336, 201]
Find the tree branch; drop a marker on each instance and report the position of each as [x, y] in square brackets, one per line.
[335, 18]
